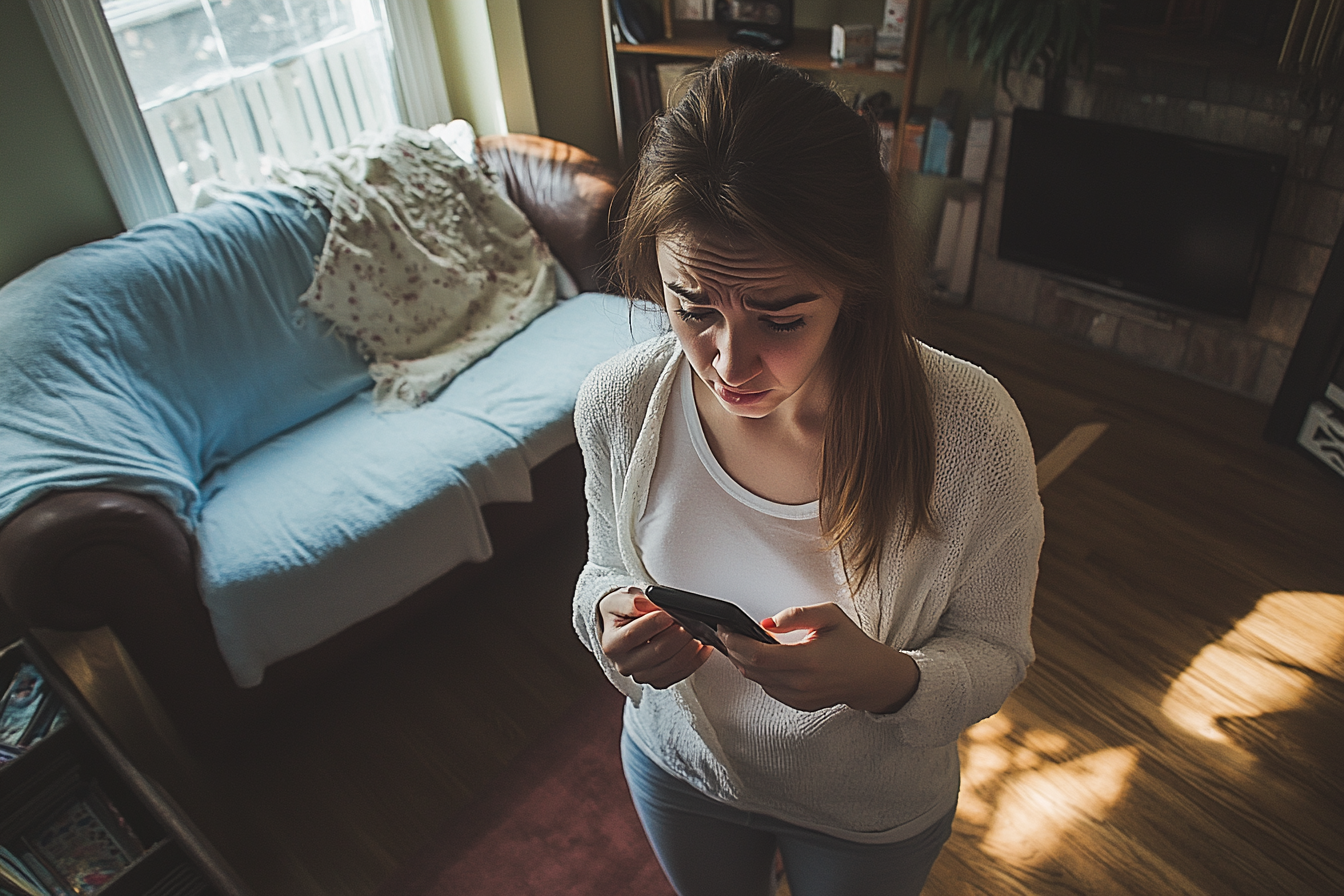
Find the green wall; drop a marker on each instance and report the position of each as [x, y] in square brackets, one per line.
[567, 59]
[51, 194]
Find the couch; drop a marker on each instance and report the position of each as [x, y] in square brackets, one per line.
[191, 459]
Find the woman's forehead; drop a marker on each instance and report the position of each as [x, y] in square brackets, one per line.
[724, 259]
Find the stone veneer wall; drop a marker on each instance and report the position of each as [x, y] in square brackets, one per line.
[1196, 100]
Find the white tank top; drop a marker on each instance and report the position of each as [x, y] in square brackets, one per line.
[702, 531]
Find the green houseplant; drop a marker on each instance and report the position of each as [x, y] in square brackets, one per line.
[1042, 37]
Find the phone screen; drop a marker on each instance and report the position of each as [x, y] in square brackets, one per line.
[701, 615]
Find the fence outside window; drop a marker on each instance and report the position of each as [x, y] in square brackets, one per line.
[229, 88]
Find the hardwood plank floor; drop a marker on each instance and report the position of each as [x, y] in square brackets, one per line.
[1179, 733]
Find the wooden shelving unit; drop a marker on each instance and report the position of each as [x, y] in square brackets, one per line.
[177, 860]
[810, 50]
[704, 40]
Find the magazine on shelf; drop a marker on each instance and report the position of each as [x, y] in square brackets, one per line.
[28, 712]
[87, 843]
[21, 705]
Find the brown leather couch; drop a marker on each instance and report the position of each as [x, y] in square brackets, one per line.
[79, 560]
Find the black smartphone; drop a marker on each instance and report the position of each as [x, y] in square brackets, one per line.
[701, 616]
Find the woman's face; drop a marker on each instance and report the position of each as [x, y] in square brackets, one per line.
[754, 326]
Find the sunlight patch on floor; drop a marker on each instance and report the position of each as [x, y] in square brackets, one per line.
[1027, 792]
[1069, 449]
[1265, 664]
[1038, 809]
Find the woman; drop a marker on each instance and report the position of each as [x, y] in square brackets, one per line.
[790, 447]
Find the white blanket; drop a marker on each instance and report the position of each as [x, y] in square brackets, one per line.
[426, 263]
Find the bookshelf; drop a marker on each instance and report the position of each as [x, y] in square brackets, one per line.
[687, 40]
[78, 767]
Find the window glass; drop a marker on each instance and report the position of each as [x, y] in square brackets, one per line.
[229, 88]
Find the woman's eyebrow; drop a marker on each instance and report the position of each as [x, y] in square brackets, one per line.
[781, 304]
[697, 297]
[690, 295]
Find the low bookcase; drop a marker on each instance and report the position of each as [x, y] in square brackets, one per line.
[77, 776]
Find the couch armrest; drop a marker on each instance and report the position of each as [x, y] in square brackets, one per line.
[80, 560]
[77, 560]
[565, 193]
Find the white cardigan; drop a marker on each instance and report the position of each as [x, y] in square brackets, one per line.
[958, 602]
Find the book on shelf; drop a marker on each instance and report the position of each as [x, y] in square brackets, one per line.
[16, 877]
[945, 249]
[912, 138]
[968, 237]
[641, 93]
[953, 263]
[979, 143]
[938, 144]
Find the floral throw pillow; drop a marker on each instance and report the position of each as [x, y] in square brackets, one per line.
[426, 263]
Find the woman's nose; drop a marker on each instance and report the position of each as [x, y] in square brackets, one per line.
[736, 362]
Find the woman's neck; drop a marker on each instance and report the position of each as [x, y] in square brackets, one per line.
[777, 457]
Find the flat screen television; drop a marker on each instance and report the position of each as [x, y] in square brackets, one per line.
[1153, 217]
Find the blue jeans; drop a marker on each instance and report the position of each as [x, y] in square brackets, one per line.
[708, 848]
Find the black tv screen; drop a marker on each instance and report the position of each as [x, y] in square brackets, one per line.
[1151, 216]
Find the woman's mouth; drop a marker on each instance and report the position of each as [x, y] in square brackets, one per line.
[736, 398]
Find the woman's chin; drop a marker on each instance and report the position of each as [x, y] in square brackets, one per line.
[758, 407]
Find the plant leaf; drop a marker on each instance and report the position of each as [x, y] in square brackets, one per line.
[1002, 35]
[1037, 37]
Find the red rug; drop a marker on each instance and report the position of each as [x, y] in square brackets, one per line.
[562, 826]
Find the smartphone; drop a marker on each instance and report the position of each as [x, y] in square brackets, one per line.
[701, 616]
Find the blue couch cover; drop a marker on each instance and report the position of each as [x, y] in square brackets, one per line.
[174, 362]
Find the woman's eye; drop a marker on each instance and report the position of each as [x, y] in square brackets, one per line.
[786, 326]
[692, 316]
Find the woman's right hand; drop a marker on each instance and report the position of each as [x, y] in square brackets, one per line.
[646, 644]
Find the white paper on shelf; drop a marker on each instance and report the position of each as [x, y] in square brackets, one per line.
[979, 140]
[945, 252]
[959, 284]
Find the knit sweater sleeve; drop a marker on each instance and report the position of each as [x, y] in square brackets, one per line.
[980, 646]
[611, 405]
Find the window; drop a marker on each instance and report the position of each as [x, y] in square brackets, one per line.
[172, 93]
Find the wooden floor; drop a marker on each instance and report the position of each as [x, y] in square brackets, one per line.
[1179, 734]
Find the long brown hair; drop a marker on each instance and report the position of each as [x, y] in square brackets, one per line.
[755, 149]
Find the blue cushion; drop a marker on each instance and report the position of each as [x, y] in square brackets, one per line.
[336, 520]
[146, 361]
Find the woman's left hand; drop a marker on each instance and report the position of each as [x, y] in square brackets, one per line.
[836, 663]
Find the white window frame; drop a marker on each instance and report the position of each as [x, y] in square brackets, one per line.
[87, 60]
